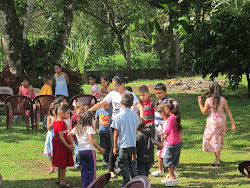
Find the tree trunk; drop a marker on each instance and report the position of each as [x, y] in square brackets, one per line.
[128, 52]
[65, 29]
[248, 84]
[177, 49]
[26, 24]
[11, 36]
[172, 45]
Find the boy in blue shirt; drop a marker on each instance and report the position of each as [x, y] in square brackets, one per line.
[103, 119]
[125, 127]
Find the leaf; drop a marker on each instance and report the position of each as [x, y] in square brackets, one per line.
[157, 27]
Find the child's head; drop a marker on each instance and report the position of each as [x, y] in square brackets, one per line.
[60, 100]
[105, 106]
[47, 80]
[144, 93]
[128, 88]
[119, 82]
[64, 111]
[24, 82]
[58, 68]
[141, 125]
[79, 107]
[85, 119]
[53, 109]
[160, 91]
[171, 106]
[104, 81]
[92, 79]
[127, 100]
[161, 109]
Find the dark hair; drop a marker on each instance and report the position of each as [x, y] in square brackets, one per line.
[214, 91]
[24, 78]
[79, 104]
[94, 77]
[127, 100]
[46, 79]
[174, 108]
[105, 78]
[57, 64]
[160, 107]
[85, 119]
[59, 99]
[53, 106]
[142, 124]
[160, 86]
[64, 108]
[129, 88]
[120, 79]
[143, 89]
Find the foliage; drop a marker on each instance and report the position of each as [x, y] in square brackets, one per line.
[222, 45]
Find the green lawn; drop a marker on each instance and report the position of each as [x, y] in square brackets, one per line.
[23, 165]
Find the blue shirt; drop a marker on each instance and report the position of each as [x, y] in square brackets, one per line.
[104, 119]
[158, 118]
[126, 122]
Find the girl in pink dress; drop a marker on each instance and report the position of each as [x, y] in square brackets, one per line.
[26, 89]
[215, 131]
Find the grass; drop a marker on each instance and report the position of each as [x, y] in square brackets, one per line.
[22, 163]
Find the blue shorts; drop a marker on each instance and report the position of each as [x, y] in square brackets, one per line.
[172, 155]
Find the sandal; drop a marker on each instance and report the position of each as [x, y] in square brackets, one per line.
[51, 171]
[65, 186]
[215, 165]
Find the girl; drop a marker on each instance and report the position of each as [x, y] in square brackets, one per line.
[62, 150]
[172, 134]
[48, 150]
[84, 133]
[160, 153]
[215, 131]
[95, 90]
[105, 86]
[26, 89]
[60, 100]
[61, 81]
[115, 97]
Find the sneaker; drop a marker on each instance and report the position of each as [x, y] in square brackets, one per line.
[175, 173]
[172, 182]
[158, 173]
[165, 180]
[51, 171]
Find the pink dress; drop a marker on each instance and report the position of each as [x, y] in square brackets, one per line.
[25, 92]
[215, 131]
[162, 152]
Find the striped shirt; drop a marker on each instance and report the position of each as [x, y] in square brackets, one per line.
[158, 118]
[149, 109]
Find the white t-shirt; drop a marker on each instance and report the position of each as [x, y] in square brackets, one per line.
[83, 139]
[115, 97]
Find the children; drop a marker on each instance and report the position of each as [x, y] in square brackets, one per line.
[105, 89]
[173, 136]
[60, 100]
[103, 118]
[61, 81]
[46, 89]
[145, 148]
[26, 89]
[48, 150]
[85, 135]
[79, 108]
[125, 126]
[62, 150]
[161, 128]
[215, 131]
[149, 108]
[95, 90]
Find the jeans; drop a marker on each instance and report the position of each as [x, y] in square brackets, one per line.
[172, 155]
[77, 158]
[44, 125]
[125, 163]
[112, 157]
[144, 167]
[105, 143]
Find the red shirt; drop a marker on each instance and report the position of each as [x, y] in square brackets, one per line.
[149, 109]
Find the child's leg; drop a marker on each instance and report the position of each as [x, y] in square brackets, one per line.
[123, 163]
[147, 167]
[217, 157]
[132, 164]
[112, 157]
[58, 175]
[109, 144]
[160, 163]
[171, 172]
[77, 159]
[62, 176]
[51, 162]
[103, 144]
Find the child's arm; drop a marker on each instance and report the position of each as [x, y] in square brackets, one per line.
[70, 147]
[116, 135]
[96, 125]
[98, 105]
[55, 79]
[66, 78]
[49, 123]
[109, 89]
[69, 136]
[204, 109]
[140, 107]
[229, 114]
[93, 142]
[160, 145]
[19, 91]
[30, 91]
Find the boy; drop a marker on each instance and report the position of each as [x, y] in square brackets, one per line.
[46, 90]
[149, 108]
[145, 149]
[125, 126]
[79, 107]
[103, 118]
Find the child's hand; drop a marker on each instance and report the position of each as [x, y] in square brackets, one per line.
[115, 151]
[200, 99]
[133, 157]
[102, 151]
[233, 127]
[71, 147]
[95, 131]
[159, 134]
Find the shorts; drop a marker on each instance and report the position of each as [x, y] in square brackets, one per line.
[172, 155]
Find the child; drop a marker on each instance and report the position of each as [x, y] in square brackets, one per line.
[125, 127]
[79, 108]
[62, 150]
[105, 89]
[46, 90]
[103, 118]
[60, 100]
[172, 134]
[145, 149]
[61, 81]
[149, 108]
[95, 90]
[161, 94]
[85, 135]
[161, 128]
[48, 150]
[215, 131]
